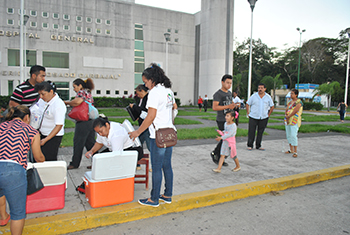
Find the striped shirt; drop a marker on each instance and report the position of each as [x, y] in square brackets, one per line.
[24, 94]
[14, 144]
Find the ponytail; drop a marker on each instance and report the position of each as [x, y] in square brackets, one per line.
[19, 111]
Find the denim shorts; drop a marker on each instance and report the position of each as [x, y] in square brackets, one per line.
[13, 185]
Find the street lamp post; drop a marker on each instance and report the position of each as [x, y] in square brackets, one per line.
[167, 40]
[347, 70]
[252, 5]
[21, 38]
[25, 20]
[300, 31]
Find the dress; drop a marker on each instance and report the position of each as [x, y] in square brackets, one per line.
[294, 122]
[228, 136]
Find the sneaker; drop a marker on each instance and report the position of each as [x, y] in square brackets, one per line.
[165, 199]
[145, 202]
[225, 164]
[214, 157]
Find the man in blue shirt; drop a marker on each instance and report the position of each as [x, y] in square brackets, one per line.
[259, 108]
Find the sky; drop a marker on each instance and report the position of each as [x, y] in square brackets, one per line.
[275, 21]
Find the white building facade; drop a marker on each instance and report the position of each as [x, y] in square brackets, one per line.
[113, 41]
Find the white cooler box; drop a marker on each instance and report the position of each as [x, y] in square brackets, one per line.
[111, 180]
[53, 174]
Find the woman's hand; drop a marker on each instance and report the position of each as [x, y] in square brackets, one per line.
[133, 135]
[131, 105]
[218, 138]
[88, 154]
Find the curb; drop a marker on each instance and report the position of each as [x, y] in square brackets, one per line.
[72, 222]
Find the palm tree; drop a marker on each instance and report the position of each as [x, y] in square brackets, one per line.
[328, 90]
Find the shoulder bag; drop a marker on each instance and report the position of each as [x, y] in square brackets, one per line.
[34, 183]
[165, 137]
[80, 112]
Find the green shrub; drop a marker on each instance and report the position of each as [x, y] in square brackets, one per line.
[312, 105]
[4, 99]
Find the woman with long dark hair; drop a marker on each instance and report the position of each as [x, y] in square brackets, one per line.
[84, 134]
[160, 104]
[14, 146]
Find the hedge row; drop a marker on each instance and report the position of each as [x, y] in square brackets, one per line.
[312, 105]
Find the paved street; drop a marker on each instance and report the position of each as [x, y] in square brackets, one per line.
[322, 208]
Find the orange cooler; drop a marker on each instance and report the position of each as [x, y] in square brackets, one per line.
[53, 174]
[111, 180]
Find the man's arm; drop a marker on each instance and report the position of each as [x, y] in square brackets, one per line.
[271, 109]
[217, 107]
[13, 103]
[247, 108]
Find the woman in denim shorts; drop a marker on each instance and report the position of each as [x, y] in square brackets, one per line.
[14, 146]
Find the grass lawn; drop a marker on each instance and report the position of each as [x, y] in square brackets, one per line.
[317, 128]
[242, 119]
[178, 121]
[109, 112]
[192, 112]
[69, 123]
[315, 118]
[204, 133]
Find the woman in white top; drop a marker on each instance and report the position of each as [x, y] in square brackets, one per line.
[52, 123]
[112, 135]
[160, 106]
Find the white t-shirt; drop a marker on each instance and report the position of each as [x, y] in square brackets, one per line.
[236, 100]
[161, 99]
[54, 115]
[117, 139]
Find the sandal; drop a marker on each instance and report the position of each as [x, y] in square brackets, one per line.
[295, 155]
[288, 152]
[5, 221]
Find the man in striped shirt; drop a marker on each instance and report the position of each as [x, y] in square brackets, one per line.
[24, 94]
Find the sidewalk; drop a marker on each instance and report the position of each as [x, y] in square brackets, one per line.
[195, 185]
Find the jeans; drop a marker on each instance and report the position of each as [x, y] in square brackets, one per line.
[13, 185]
[84, 136]
[144, 137]
[254, 124]
[292, 134]
[342, 114]
[161, 163]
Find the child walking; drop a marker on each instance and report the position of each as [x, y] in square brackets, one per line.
[228, 136]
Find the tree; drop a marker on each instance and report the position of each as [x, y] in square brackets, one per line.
[273, 84]
[237, 83]
[327, 89]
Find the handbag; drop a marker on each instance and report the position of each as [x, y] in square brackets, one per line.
[93, 112]
[80, 112]
[34, 183]
[165, 137]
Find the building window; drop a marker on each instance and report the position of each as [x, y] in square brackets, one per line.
[10, 22]
[78, 28]
[108, 92]
[10, 10]
[66, 27]
[125, 92]
[19, 12]
[45, 14]
[79, 18]
[66, 17]
[33, 13]
[10, 87]
[55, 16]
[33, 24]
[108, 32]
[176, 40]
[63, 90]
[55, 26]
[88, 19]
[169, 30]
[98, 92]
[45, 25]
[175, 93]
[88, 30]
[56, 59]
[98, 21]
[108, 22]
[176, 31]
[116, 92]
[13, 57]
[98, 31]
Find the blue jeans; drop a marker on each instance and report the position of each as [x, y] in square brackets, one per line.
[161, 163]
[144, 137]
[342, 114]
[13, 185]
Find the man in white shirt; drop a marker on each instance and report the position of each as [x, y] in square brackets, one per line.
[259, 108]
